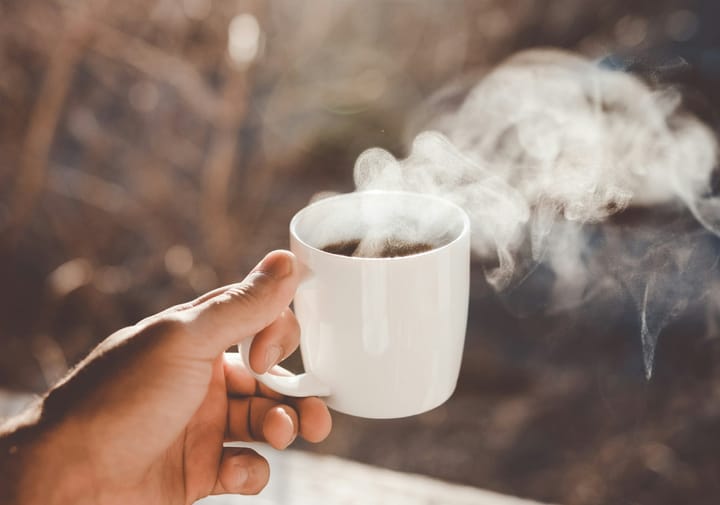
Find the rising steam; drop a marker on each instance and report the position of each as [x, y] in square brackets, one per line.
[542, 153]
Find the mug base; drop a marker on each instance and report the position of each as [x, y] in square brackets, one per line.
[380, 412]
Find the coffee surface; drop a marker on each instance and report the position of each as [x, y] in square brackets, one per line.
[391, 248]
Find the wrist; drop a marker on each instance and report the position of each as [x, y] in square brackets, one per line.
[38, 466]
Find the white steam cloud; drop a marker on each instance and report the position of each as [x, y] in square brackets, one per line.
[546, 148]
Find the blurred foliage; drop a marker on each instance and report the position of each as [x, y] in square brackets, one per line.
[151, 150]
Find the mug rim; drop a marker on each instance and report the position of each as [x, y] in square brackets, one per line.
[465, 230]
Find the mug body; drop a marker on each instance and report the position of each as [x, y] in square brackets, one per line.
[385, 334]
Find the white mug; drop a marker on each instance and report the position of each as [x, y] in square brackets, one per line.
[380, 337]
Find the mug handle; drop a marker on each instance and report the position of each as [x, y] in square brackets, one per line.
[298, 386]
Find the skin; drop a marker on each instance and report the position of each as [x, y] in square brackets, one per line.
[143, 418]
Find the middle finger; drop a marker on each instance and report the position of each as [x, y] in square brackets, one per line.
[257, 419]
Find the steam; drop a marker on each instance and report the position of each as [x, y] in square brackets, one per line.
[380, 225]
[544, 153]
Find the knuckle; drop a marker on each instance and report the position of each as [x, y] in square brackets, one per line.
[165, 328]
[251, 292]
[183, 306]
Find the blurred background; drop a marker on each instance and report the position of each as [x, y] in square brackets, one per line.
[151, 150]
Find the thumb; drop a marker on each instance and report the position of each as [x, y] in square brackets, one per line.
[243, 309]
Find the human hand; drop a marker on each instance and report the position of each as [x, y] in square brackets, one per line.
[143, 418]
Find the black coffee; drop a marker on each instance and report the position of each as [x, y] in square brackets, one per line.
[391, 248]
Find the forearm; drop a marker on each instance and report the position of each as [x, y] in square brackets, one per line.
[15, 446]
[33, 468]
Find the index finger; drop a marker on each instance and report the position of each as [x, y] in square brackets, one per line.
[245, 308]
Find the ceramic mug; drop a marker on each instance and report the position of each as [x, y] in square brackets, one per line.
[380, 337]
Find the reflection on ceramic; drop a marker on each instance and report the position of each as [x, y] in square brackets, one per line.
[381, 337]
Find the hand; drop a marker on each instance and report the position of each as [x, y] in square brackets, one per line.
[143, 418]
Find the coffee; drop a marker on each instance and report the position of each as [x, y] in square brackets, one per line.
[391, 248]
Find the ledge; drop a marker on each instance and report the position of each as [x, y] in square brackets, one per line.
[300, 478]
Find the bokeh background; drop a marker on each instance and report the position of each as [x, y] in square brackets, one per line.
[151, 150]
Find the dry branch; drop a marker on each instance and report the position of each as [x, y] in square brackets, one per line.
[44, 119]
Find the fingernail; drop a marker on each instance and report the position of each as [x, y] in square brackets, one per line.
[277, 265]
[291, 435]
[241, 477]
[272, 356]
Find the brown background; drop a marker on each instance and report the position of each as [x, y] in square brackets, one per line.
[140, 166]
